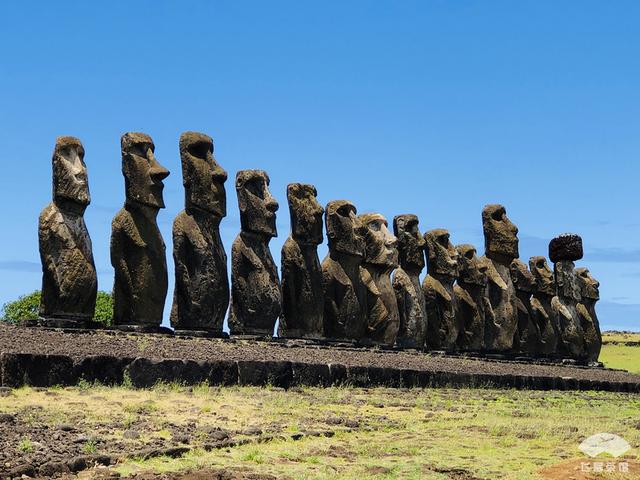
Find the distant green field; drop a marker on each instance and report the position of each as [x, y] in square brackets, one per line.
[619, 355]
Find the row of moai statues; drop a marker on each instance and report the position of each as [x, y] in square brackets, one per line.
[367, 289]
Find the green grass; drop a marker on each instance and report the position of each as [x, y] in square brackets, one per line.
[621, 356]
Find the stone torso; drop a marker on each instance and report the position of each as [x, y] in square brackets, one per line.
[201, 294]
[542, 315]
[138, 257]
[528, 339]
[345, 300]
[383, 319]
[255, 296]
[69, 283]
[591, 328]
[302, 294]
[443, 327]
[470, 311]
[412, 309]
[501, 328]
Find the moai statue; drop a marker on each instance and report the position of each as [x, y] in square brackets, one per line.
[137, 249]
[443, 327]
[255, 287]
[380, 259]
[563, 251]
[69, 282]
[302, 293]
[344, 291]
[406, 282]
[501, 247]
[528, 341]
[471, 303]
[590, 290]
[201, 294]
[541, 310]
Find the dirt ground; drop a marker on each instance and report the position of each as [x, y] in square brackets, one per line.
[174, 432]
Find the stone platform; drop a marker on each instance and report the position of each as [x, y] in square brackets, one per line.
[45, 357]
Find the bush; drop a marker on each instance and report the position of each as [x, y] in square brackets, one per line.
[104, 308]
[26, 308]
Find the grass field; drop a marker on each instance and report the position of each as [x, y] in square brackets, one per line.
[379, 433]
[615, 354]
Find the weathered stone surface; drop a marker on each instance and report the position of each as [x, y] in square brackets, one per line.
[69, 282]
[137, 248]
[255, 286]
[501, 247]
[145, 373]
[590, 291]
[412, 308]
[18, 369]
[471, 302]
[528, 339]
[566, 309]
[541, 311]
[302, 292]
[380, 259]
[567, 246]
[107, 370]
[345, 293]
[443, 327]
[201, 294]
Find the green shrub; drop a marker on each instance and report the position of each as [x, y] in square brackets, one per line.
[104, 308]
[26, 308]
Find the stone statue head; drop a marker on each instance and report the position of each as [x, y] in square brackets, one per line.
[381, 246]
[543, 275]
[257, 207]
[202, 177]
[70, 172]
[500, 235]
[589, 286]
[566, 281]
[442, 257]
[410, 242]
[344, 229]
[523, 280]
[471, 269]
[306, 213]
[143, 174]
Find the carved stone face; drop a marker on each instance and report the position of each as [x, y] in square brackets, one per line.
[523, 280]
[70, 172]
[202, 177]
[380, 244]
[500, 235]
[471, 269]
[542, 275]
[566, 281]
[410, 242]
[306, 213]
[257, 207]
[589, 286]
[143, 174]
[442, 257]
[344, 229]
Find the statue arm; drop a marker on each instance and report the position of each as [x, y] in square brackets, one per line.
[182, 253]
[119, 246]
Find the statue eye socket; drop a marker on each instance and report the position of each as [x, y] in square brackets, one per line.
[498, 215]
[255, 187]
[469, 254]
[199, 149]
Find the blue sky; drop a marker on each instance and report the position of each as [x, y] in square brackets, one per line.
[428, 107]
